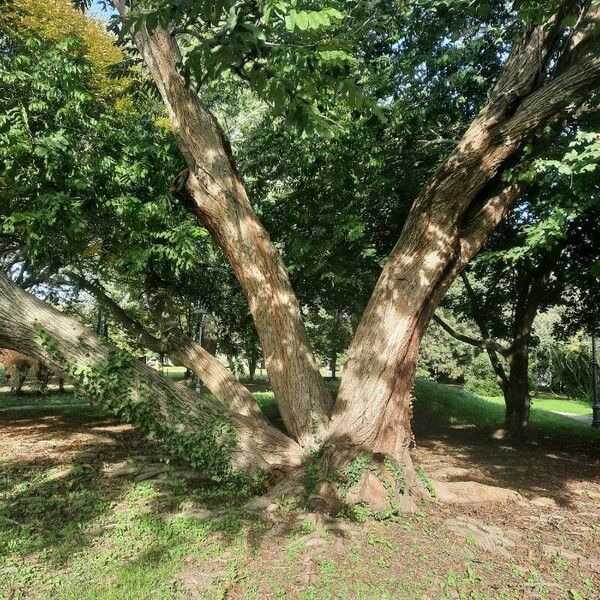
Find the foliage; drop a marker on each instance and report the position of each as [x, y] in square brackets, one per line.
[444, 358]
[541, 257]
[561, 364]
[57, 21]
[480, 378]
[292, 54]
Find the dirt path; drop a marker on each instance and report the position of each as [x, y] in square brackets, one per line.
[544, 544]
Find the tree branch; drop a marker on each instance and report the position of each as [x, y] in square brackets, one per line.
[133, 326]
[227, 389]
[479, 343]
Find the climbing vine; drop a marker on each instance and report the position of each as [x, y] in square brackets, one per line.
[113, 384]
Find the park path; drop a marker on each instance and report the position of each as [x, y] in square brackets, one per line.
[586, 419]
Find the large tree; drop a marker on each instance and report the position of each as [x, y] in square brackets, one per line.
[363, 439]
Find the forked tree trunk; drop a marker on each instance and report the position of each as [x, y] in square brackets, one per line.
[447, 225]
[194, 428]
[215, 193]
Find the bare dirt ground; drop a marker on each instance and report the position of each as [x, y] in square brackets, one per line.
[542, 544]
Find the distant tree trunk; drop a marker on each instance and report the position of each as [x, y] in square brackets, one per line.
[252, 362]
[516, 390]
[517, 394]
[18, 377]
[333, 364]
[515, 385]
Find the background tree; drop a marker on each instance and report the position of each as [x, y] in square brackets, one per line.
[543, 251]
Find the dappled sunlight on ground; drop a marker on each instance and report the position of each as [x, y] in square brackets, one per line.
[89, 509]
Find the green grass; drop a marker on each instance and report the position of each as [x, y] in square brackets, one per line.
[174, 372]
[68, 532]
[449, 405]
[84, 542]
[36, 399]
[552, 403]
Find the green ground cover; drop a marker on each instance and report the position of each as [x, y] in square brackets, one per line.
[69, 529]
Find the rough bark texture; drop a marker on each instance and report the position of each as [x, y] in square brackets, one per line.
[446, 227]
[215, 193]
[176, 411]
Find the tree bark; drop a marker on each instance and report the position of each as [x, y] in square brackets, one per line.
[333, 364]
[517, 394]
[215, 193]
[252, 362]
[446, 226]
[184, 419]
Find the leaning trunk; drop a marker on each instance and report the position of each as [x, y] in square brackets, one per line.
[214, 192]
[196, 429]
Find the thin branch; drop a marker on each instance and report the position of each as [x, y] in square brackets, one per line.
[479, 343]
[133, 326]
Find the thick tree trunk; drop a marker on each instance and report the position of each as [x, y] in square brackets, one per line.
[215, 193]
[446, 227]
[194, 428]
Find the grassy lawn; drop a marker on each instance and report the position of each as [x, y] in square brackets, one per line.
[33, 398]
[579, 407]
[174, 372]
[77, 522]
[451, 405]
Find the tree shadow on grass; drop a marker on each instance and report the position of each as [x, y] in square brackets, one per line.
[52, 484]
[58, 496]
[555, 454]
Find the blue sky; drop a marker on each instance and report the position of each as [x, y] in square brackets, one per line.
[97, 10]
